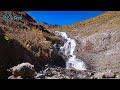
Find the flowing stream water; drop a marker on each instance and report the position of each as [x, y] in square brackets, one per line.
[68, 50]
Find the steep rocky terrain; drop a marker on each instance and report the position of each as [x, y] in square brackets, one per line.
[24, 40]
[98, 41]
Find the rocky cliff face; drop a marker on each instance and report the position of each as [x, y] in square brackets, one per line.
[98, 41]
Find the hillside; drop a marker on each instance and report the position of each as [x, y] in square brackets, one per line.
[97, 44]
[98, 40]
[24, 40]
[96, 24]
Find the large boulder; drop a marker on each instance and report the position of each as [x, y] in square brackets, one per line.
[24, 70]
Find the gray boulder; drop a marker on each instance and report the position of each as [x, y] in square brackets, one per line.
[23, 70]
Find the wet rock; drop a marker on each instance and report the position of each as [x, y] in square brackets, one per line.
[48, 72]
[40, 76]
[13, 77]
[79, 76]
[84, 75]
[25, 70]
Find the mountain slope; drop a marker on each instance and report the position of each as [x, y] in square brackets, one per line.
[24, 40]
[93, 25]
[98, 40]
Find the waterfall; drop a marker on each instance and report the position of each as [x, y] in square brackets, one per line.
[68, 51]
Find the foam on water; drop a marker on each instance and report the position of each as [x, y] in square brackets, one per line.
[68, 50]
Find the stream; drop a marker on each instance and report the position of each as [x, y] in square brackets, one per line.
[67, 50]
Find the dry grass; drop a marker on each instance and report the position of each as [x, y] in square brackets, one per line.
[91, 26]
[33, 39]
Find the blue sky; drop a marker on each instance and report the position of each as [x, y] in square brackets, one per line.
[63, 17]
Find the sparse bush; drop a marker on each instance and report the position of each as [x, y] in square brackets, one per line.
[7, 37]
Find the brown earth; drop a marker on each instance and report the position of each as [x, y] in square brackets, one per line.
[24, 41]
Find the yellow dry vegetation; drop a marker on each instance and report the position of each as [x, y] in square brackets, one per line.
[105, 21]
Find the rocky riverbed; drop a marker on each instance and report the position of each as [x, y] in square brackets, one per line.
[27, 71]
[62, 73]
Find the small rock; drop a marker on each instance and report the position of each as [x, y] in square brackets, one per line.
[80, 76]
[51, 78]
[67, 77]
[48, 72]
[91, 77]
[77, 76]
[12, 77]
[118, 75]
[98, 75]
[40, 76]
[101, 75]
[109, 75]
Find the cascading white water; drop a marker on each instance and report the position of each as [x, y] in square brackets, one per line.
[68, 50]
